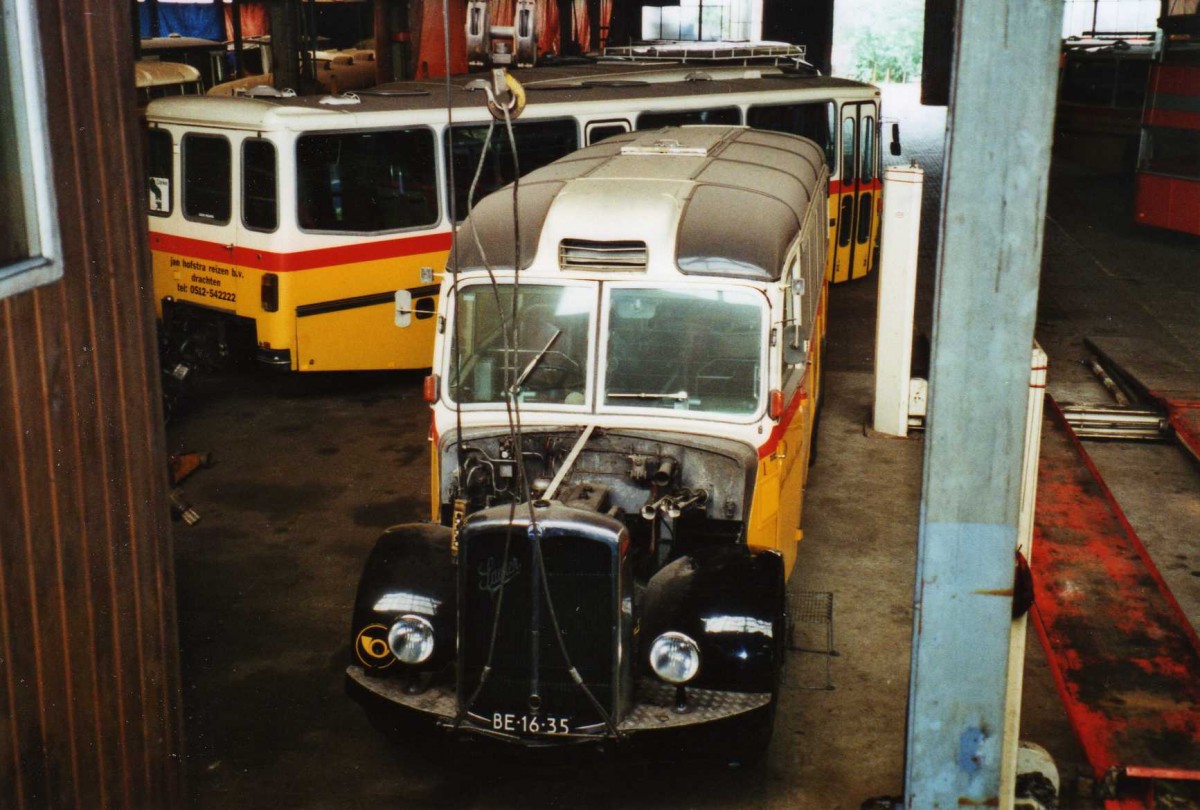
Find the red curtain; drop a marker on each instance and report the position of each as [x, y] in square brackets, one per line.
[606, 10]
[582, 24]
[255, 19]
[581, 27]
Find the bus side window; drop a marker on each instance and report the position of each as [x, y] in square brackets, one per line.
[867, 133]
[159, 172]
[206, 178]
[813, 120]
[366, 182]
[849, 169]
[260, 189]
[679, 118]
[538, 143]
[602, 130]
[794, 322]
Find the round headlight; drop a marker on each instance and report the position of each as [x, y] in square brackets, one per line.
[675, 658]
[411, 639]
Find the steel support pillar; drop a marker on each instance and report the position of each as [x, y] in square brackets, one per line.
[285, 43]
[993, 204]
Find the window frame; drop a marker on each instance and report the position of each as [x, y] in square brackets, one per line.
[151, 134]
[830, 147]
[519, 127]
[485, 285]
[183, 178]
[438, 181]
[603, 124]
[244, 185]
[604, 343]
[42, 263]
[723, 108]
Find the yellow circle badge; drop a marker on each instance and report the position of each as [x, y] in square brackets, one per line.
[372, 649]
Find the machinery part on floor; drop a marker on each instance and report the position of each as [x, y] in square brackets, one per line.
[181, 509]
[184, 464]
[1171, 380]
[1118, 394]
[1117, 422]
[1038, 784]
[1123, 654]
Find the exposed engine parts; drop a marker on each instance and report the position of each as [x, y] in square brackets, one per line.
[652, 486]
[674, 504]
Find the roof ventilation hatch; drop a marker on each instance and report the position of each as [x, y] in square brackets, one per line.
[585, 254]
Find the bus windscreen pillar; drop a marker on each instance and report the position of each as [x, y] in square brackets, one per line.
[902, 187]
[992, 225]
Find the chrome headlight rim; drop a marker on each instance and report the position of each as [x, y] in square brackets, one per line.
[411, 639]
[673, 648]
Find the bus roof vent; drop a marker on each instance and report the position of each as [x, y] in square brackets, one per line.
[585, 254]
[342, 100]
[665, 146]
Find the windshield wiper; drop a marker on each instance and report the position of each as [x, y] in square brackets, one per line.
[678, 396]
[533, 364]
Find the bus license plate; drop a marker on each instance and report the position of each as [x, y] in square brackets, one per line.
[530, 723]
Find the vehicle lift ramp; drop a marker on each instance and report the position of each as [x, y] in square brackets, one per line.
[1172, 382]
[1125, 658]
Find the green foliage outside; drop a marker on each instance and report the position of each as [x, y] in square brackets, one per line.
[879, 40]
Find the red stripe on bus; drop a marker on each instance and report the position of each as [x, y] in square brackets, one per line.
[772, 443]
[302, 259]
[1181, 119]
[837, 187]
[1181, 81]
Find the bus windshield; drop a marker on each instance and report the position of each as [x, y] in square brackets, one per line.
[685, 349]
[548, 361]
[698, 350]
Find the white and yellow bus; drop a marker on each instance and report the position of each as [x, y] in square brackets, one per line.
[293, 221]
[623, 411]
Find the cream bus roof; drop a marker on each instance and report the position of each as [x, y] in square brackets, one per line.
[153, 73]
[714, 201]
[574, 84]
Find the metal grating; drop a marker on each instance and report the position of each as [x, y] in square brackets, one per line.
[810, 630]
[585, 254]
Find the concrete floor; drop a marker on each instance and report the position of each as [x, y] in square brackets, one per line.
[308, 471]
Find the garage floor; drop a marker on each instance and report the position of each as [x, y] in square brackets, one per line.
[308, 471]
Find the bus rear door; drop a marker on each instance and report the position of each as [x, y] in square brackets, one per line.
[368, 207]
[856, 193]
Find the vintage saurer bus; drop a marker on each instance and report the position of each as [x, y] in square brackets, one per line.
[623, 411]
[286, 225]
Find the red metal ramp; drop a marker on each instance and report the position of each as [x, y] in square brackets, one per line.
[1124, 656]
[1172, 380]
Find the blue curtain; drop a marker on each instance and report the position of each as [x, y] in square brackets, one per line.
[186, 19]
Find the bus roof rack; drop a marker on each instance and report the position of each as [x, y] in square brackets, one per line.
[723, 52]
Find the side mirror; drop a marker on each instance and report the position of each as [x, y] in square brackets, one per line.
[403, 308]
[895, 147]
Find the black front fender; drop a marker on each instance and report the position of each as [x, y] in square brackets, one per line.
[408, 572]
[731, 600]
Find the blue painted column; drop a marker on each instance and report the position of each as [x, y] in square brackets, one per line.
[993, 203]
